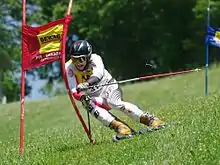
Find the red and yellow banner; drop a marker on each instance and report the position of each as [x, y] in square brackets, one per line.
[43, 44]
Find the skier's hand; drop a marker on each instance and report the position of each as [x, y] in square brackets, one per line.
[85, 100]
[82, 87]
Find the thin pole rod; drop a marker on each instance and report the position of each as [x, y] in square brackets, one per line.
[21, 149]
[88, 116]
[146, 77]
[69, 7]
[68, 12]
[207, 51]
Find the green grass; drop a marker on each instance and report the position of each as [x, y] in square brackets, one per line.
[54, 136]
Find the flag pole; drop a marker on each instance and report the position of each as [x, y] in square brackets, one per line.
[88, 132]
[207, 50]
[21, 148]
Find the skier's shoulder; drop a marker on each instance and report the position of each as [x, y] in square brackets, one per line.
[95, 57]
[69, 64]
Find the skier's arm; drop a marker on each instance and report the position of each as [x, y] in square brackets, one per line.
[72, 83]
[98, 71]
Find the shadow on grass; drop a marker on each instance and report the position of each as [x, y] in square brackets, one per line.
[76, 146]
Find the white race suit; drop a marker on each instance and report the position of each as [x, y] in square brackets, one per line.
[105, 97]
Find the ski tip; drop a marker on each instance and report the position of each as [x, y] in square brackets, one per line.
[149, 130]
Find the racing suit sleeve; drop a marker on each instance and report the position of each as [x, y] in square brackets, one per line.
[73, 83]
[98, 70]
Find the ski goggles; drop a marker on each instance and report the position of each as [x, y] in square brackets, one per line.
[79, 59]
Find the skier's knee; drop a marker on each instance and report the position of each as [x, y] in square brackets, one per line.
[117, 104]
[103, 116]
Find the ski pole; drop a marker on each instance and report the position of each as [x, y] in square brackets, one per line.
[146, 77]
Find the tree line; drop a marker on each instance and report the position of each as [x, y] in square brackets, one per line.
[127, 34]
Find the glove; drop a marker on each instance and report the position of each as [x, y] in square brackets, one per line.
[82, 86]
[86, 102]
[85, 99]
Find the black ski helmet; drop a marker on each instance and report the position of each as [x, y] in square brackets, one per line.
[81, 48]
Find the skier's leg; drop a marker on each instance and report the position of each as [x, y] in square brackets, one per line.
[114, 100]
[107, 119]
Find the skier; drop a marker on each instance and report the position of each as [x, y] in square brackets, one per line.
[86, 69]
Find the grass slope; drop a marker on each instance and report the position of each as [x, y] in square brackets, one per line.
[54, 136]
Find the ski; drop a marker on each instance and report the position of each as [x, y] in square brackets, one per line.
[149, 130]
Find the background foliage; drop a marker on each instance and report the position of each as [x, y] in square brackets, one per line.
[126, 33]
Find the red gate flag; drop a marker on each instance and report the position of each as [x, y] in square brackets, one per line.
[42, 45]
